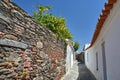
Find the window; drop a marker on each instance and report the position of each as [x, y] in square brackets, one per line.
[96, 61]
[87, 57]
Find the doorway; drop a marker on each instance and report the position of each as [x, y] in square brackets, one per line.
[104, 61]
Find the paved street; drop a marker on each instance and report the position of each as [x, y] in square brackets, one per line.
[84, 73]
[78, 72]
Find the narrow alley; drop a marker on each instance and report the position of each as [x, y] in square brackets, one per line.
[84, 73]
[79, 72]
[37, 44]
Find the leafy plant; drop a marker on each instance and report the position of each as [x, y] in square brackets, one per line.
[76, 46]
[24, 74]
[55, 24]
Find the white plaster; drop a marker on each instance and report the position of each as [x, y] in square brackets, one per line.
[110, 35]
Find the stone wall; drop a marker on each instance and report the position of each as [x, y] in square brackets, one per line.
[28, 51]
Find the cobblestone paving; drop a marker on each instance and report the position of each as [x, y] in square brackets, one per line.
[79, 72]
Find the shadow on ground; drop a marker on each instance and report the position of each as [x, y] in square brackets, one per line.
[84, 73]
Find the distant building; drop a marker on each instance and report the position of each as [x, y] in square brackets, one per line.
[103, 55]
[80, 57]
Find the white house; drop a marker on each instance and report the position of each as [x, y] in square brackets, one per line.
[103, 55]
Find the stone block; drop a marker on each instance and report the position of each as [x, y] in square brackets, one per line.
[12, 37]
[12, 43]
[2, 26]
[42, 54]
[39, 44]
[5, 64]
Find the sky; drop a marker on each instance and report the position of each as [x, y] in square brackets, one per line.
[81, 15]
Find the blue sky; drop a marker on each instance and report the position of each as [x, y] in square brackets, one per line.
[81, 15]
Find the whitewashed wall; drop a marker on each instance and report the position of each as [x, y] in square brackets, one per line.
[110, 34]
[90, 61]
[69, 58]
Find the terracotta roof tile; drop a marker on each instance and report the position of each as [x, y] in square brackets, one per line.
[111, 1]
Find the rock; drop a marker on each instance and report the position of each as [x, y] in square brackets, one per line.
[39, 45]
[38, 78]
[20, 67]
[27, 64]
[2, 34]
[13, 57]
[2, 60]
[7, 42]
[18, 14]
[5, 5]
[40, 61]
[28, 59]
[7, 49]
[5, 64]
[3, 16]
[6, 73]
[43, 55]
[46, 78]
[2, 27]
[27, 51]
[12, 37]
[15, 64]
[17, 60]
[34, 53]
[30, 68]
[2, 77]
[4, 70]
[41, 38]
[43, 64]
[1, 55]
[46, 43]
[34, 48]
[11, 75]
